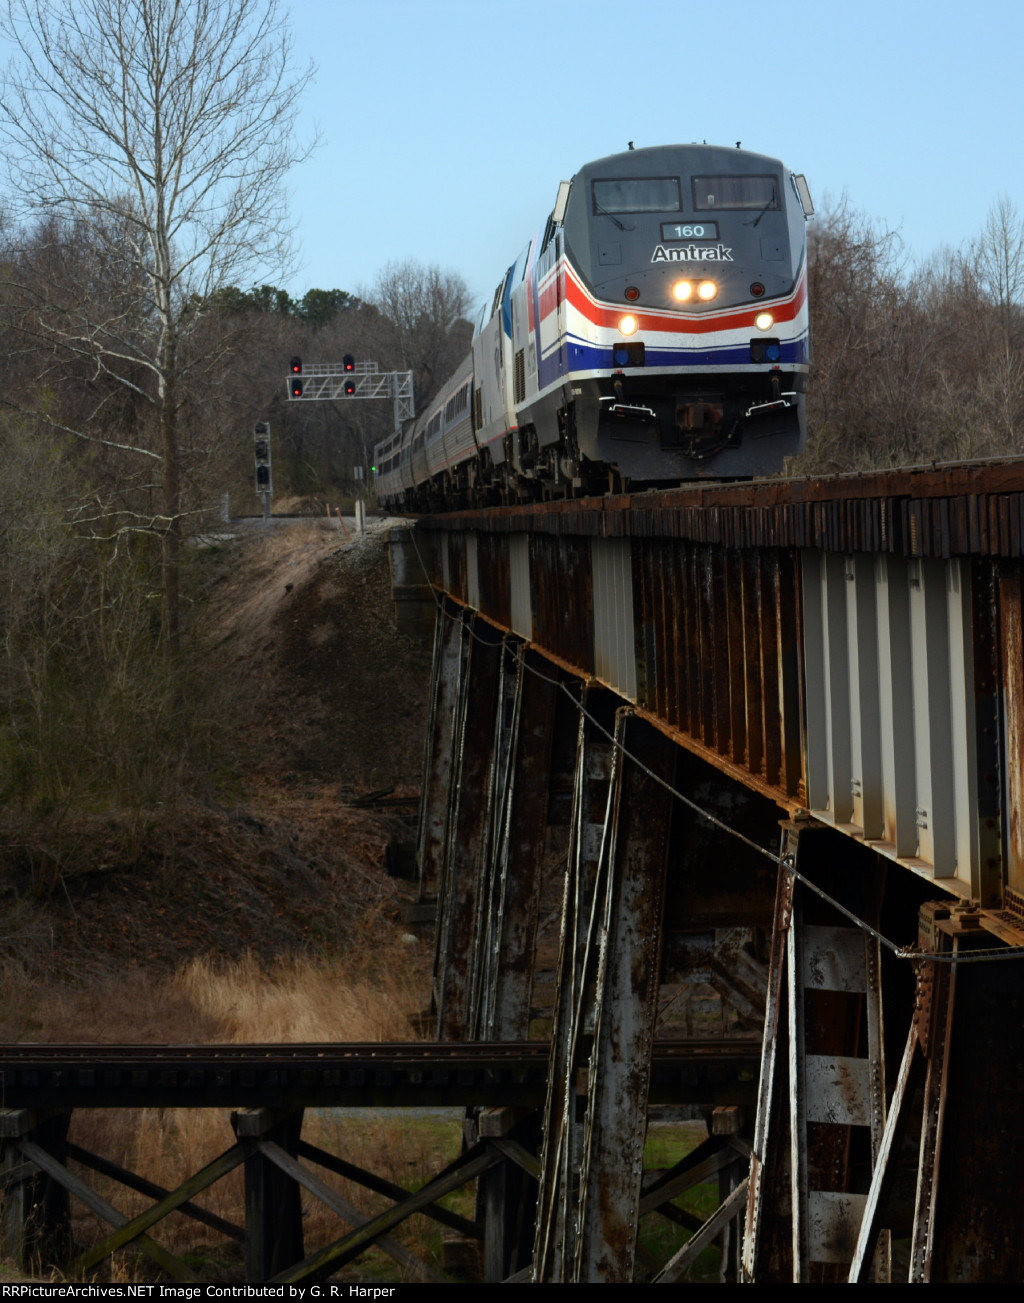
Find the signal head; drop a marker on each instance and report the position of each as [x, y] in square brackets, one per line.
[296, 388]
[350, 388]
[348, 362]
[296, 366]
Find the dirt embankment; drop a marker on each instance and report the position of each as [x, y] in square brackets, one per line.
[278, 861]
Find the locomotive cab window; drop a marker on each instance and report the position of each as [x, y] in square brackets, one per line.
[743, 192]
[637, 194]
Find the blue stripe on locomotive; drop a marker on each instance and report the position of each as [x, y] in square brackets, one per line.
[560, 362]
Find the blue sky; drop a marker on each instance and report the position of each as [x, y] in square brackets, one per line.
[447, 126]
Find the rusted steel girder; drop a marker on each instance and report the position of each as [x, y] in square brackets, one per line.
[881, 691]
[625, 1001]
[519, 814]
[957, 1107]
[483, 823]
[931, 511]
[934, 1194]
[467, 831]
[822, 1092]
[561, 1156]
[451, 648]
[1010, 607]
[606, 1002]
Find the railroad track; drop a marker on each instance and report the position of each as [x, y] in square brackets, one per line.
[324, 1075]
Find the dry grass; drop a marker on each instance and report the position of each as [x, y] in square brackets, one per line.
[211, 1001]
[296, 1000]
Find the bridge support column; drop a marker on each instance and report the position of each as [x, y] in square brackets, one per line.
[273, 1200]
[483, 830]
[822, 1096]
[876, 1166]
[957, 1105]
[507, 1192]
[35, 1221]
[484, 824]
[451, 652]
[466, 844]
[518, 803]
[606, 1000]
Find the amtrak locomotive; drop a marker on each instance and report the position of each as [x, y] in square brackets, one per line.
[656, 331]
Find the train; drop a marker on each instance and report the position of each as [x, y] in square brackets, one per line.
[654, 332]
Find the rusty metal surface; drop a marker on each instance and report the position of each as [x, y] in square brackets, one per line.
[767, 1232]
[563, 613]
[494, 571]
[1011, 639]
[625, 998]
[521, 855]
[490, 879]
[881, 693]
[854, 647]
[450, 648]
[457, 585]
[988, 678]
[811, 1159]
[964, 509]
[466, 836]
[977, 1188]
[558, 1196]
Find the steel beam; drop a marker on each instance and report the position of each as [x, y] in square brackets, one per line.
[558, 1197]
[451, 650]
[519, 823]
[466, 833]
[606, 1003]
[626, 997]
[825, 986]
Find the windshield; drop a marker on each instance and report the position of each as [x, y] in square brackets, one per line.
[734, 192]
[638, 194]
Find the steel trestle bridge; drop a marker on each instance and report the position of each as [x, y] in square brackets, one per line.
[721, 815]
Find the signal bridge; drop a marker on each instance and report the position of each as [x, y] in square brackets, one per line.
[326, 381]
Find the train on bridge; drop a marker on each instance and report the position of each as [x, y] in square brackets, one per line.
[655, 331]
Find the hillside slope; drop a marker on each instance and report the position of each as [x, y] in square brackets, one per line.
[277, 861]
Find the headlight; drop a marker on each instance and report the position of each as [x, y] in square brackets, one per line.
[682, 290]
[628, 325]
[707, 290]
[764, 321]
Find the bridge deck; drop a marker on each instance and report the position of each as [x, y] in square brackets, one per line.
[406, 1075]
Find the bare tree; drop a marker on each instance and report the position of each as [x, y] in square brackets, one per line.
[164, 129]
[999, 260]
[422, 325]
